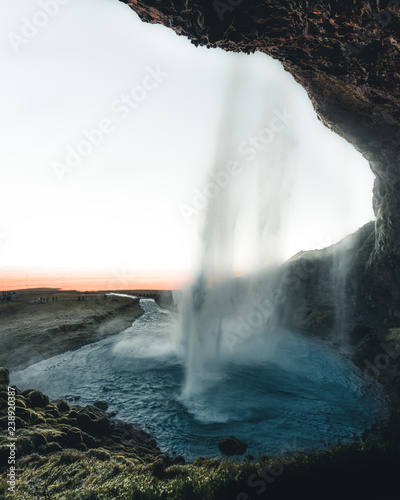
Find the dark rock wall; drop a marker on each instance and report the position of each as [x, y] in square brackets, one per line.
[343, 310]
[346, 53]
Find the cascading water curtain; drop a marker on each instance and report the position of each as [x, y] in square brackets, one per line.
[244, 223]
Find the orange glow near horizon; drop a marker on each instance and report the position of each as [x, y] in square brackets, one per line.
[90, 281]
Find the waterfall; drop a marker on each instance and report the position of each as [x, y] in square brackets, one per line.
[221, 313]
[342, 258]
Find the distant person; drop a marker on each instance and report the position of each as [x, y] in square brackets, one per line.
[79, 298]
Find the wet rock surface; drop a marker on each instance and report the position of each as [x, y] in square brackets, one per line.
[232, 446]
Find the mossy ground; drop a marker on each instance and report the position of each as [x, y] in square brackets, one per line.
[97, 474]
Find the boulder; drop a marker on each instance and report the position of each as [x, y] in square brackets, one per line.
[73, 414]
[26, 392]
[36, 417]
[86, 423]
[38, 439]
[232, 446]
[19, 423]
[88, 440]
[73, 438]
[38, 399]
[178, 460]
[52, 411]
[20, 401]
[93, 425]
[94, 411]
[62, 405]
[102, 405]
[103, 426]
[23, 413]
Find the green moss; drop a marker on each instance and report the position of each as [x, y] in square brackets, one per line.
[100, 454]
[74, 475]
[23, 413]
[20, 401]
[36, 417]
[70, 456]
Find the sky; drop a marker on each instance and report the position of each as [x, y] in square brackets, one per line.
[108, 133]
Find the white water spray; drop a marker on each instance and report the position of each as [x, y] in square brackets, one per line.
[254, 209]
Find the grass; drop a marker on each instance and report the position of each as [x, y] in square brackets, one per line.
[75, 475]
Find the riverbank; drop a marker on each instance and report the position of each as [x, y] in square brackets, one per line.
[39, 323]
[66, 451]
[69, 452]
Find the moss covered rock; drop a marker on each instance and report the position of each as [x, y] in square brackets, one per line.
[73, 437]
[63, 406]
[232, 446]
[37, 399]
[23, 413]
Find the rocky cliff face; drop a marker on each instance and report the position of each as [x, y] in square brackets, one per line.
[346, 55]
